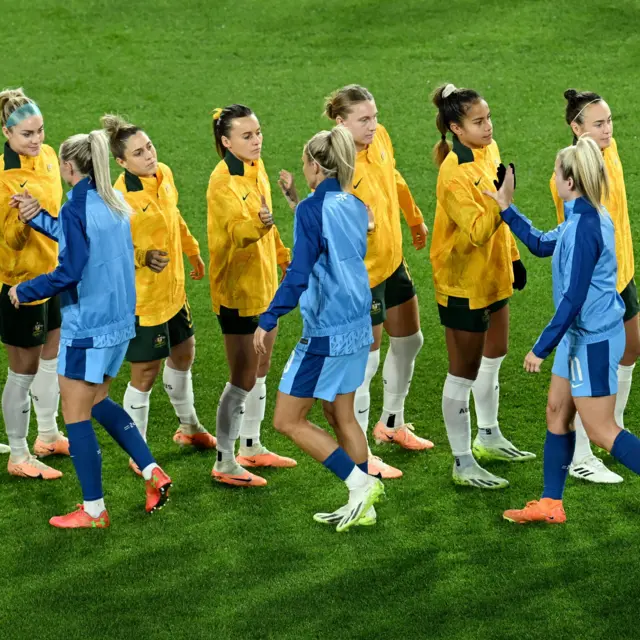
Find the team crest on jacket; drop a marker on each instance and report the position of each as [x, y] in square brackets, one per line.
[341, 197]
[167, 188]
[38, 329]
[49, 167]
[382, 156]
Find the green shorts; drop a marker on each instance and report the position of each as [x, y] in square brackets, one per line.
[232, 323]
[155, 343]
[28, 325]
[629, 296]
[395, 290]
[457, 315]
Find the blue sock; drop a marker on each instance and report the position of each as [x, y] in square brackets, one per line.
[626, 449]
[558, 453]
[86, 458]
[340, 463]
[123, 430]
[364, 466]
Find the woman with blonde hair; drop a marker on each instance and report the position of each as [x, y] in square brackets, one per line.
[30, 177]
[587, 329]
[95, 277]
[329, 279]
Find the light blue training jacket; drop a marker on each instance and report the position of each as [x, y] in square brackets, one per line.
[584, 268]
[327, 274]
[95, 276]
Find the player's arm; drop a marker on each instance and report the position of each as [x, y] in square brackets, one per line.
[307, 247]
[71, 261]
[580, 262]
[539, 244]
[479, 221]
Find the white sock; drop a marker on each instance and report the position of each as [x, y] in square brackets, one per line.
[486, 398]
[583, 444]
[357, 479]
[147, 472]
[455, 409]
[625, 374]
[136, 404]
[16, 411]
[255, 407]
[179, 388]
[231, 409]
[94, 507]
[362, 402]
[396, 375]
[45, 394]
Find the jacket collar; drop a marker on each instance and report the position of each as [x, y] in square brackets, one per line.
[328, 184]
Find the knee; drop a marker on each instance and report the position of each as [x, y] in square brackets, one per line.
[143, 375]
[407, 345]
[282, 424]
[553, 412]
[182, 361]
[263, 368]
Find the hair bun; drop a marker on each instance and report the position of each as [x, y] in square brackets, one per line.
[570, 94]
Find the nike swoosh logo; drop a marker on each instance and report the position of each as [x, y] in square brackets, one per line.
[242, 479]
[477, 183]
[22, 185]
[27, 410]
[262, 397]
[245, 197]
[575, 386]
[145, 208]
[242, 413]
[388, 436]
[363, 411]
[135, 408]
[355, 186]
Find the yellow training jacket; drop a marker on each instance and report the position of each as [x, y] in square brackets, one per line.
[25, 253]
[379, 184]
[471, 250]
[616, 205]
[243, 254]
[156, 223]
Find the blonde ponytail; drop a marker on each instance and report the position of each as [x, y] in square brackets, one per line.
[90, 154]
[584, 164]
[335, 153]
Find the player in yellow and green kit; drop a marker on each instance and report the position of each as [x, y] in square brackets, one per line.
[476, 266]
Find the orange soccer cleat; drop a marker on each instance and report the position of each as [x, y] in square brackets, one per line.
[80, 519]
[403, 435]
[543, 510]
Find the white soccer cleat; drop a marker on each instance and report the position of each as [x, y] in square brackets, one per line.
[334, 518]
[360, 501]
[475, 476]
[594, 470]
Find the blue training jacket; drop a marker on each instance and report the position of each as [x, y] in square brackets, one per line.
[584, 267]
[95, 276]
[327, 274]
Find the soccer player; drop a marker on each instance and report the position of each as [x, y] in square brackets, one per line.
[164, 326]
[588, 113]
[476, 266]
[329, 278]
[95, 277]
[245, 251]
[587, 329]
[394, 306]
[31, 333]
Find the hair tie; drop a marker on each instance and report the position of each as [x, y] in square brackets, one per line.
[216, 114]
[444, 137]
[448, 90]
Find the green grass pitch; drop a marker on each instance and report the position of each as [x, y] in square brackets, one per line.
[231, 564]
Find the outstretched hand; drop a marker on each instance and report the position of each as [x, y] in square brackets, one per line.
[505, 185]
[266, 217]
[287, 185]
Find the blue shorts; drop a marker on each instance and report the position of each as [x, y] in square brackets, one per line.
[308, 375]
[91, 365]
[592, 369]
